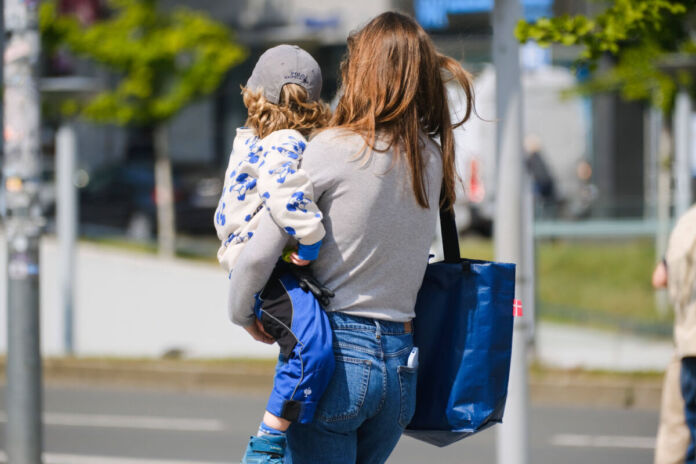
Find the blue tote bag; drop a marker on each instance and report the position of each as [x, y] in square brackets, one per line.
[463, 330]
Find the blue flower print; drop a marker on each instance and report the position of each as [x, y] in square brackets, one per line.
[220, 218]
[230, 238]
[298, 146]
[243, 183]
[290, 230]
[298, 202]
[293, 148]
[238, 238]
[266, 196]
[283, 172]
[284, 151]
[254, 153]
[247, 218]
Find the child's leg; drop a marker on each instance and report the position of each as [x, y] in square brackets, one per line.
[300, 326]
[275, 422]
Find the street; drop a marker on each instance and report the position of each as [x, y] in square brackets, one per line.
[135, 426]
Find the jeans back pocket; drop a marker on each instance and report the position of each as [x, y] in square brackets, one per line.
[346, 392]
[408, 377]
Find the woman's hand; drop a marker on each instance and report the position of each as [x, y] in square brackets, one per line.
[258, 333]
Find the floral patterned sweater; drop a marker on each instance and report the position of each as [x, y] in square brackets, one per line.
[266, 173]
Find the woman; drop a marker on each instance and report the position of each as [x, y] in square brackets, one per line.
[378, 173]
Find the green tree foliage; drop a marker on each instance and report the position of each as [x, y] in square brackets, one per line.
[163, 60]
[640, 35]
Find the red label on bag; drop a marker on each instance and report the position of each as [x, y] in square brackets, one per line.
[517, 308]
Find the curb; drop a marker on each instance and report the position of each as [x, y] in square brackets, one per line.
[246, 376]
[618, 394]
[546, 387]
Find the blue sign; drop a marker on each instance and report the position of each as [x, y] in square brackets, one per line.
[432, 14]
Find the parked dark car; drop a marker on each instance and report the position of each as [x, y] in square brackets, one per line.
[123, 196]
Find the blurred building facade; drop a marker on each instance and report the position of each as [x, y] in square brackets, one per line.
[202, 134]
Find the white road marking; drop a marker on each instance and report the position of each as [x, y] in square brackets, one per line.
[603, 441]
[56, 458]
[130, 422]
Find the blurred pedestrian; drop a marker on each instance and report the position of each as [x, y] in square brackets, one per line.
[544, 184]
[677, 272]
[378, 173]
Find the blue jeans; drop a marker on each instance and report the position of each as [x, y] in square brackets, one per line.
[688, 388]
[370, 398]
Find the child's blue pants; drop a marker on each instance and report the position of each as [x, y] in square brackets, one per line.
[298, 323]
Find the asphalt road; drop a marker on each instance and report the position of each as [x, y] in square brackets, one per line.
[133, 426]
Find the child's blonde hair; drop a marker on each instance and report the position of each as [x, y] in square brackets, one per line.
[293, 111]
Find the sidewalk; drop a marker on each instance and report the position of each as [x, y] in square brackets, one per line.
[570, 347]
[135, 304]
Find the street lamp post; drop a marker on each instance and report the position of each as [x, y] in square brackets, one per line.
[21, 182]
[510, 228]
[66, 225]
[682, 153]
[66, 197]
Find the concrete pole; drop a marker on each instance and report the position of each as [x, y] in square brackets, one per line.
[682, 144]
[660, 149]
[21, 175]
[652, 121]
[66, 149]
[528, 286]
[166, 212]
[513, 434]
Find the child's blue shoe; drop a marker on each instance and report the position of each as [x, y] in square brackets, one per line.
[265, 450]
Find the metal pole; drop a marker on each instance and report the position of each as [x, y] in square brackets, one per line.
[528, 286]
[513, 434]
[651, 156]
[662, 147]
[681, 168]
[67, 227]
[21, 175]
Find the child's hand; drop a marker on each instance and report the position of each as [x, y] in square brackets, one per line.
[305, 254]
[297, 261]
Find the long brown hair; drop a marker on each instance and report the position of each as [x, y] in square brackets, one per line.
[293, 111]
[393, 84]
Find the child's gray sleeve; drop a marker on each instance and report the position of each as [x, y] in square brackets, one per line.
[253, 269]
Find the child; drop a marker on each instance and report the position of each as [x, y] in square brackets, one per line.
[282, 99]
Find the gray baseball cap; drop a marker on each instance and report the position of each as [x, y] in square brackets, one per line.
[285, 64]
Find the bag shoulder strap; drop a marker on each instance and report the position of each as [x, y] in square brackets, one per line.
[448, 228]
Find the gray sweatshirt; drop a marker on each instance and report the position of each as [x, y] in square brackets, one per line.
[377, 238]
